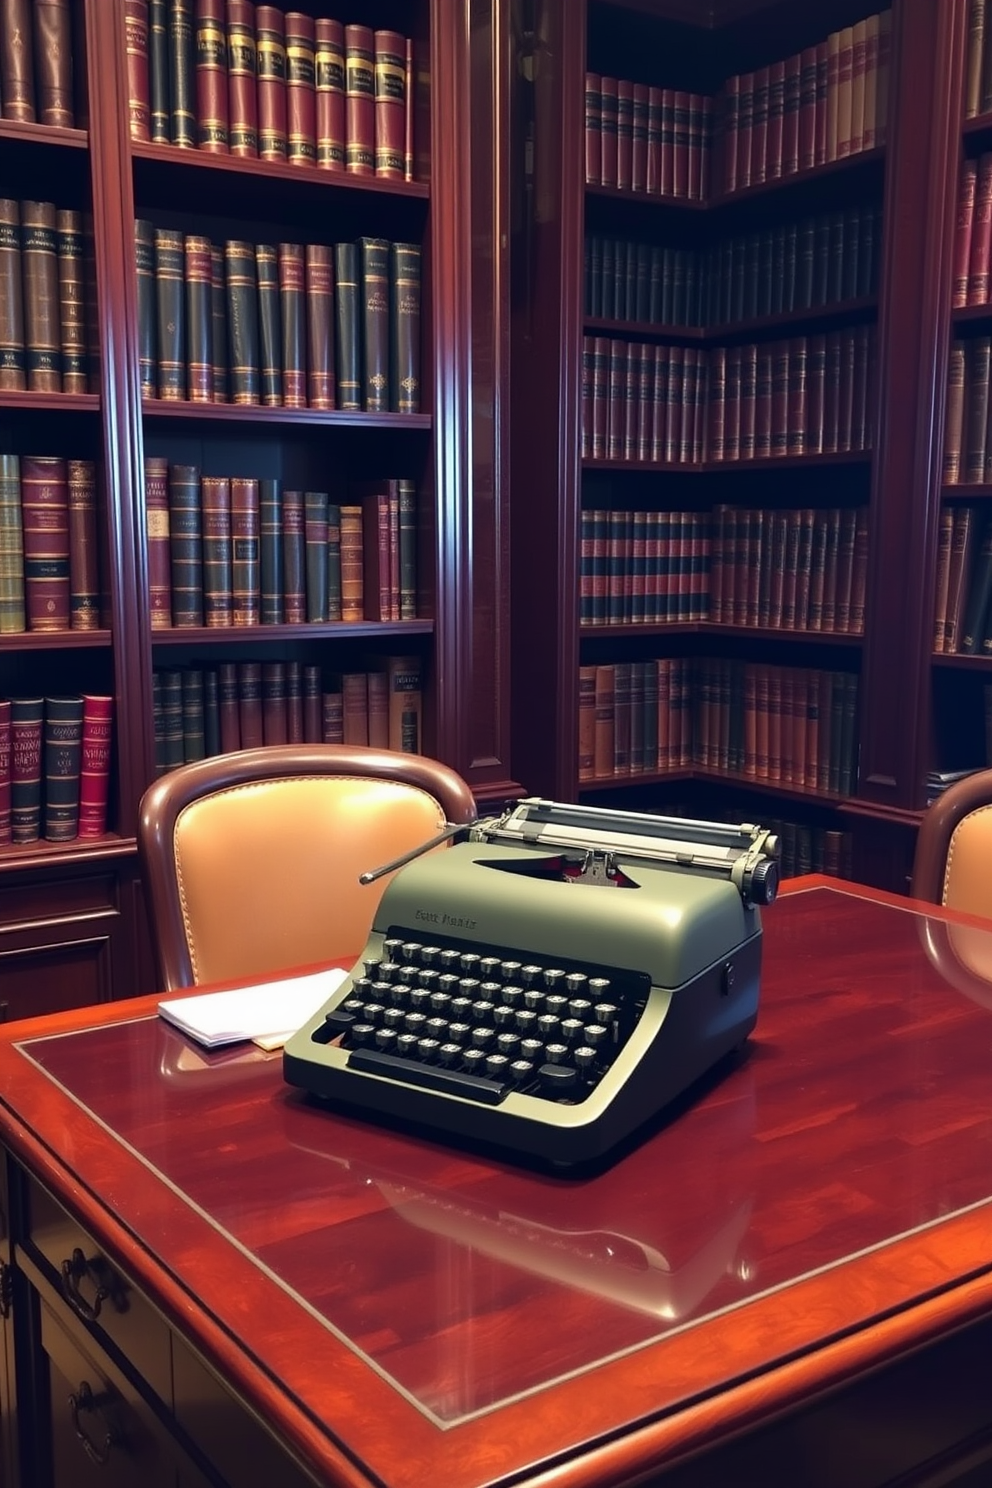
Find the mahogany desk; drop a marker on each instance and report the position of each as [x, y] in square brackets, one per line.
[790, 1282]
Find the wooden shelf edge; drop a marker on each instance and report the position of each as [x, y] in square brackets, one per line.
[973, 491]
[54, 640]
[16, 857]
[154, 408]
[715, 777]
[56, 402]
[275, 170]
[710, 467]
[202, 635]
[861, 161]
[44, 134]
[961, 661]
[625, 628]
[716, 335]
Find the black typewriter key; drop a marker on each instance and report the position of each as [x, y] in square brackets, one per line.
[339, 1021]
[362, 1033]
[429, 955]
[420, 998]
[474, 1061]
[579, 1007]
[534, 1000]
[391, 946]
[461, 1007]
[482, 1011]
[576, 982]
[572, 1029]
[510, 970]
[531, 1049]
[437, 1028]
[395, 992]
[597, 1035]
[530, 975]
[388, 970]
[556, 1004]
[353, 1005]
[428, 979]
[469, 986]
[416, 1023]
[406, 1043]
[492, 990]
[458, 1033]
[448, 959]
[513, 996]
[427, 1049]
[489, 966]
[607, 1013]
[393, 1018]
[554, 978]
[556, 1053]
[360, 985]
[508, 1043]
[598, 988]
[497, 1066]
[520, 1071]
[482, 1036]
[585, 1059]
[526, 1020]
[449, 1054]
[469, 963]
[558, 1079]
[548, 1026]
[411, 950]
[504, 1016]
[407, 975]
[374, 1013]
[385, 1038]
[440, 1002]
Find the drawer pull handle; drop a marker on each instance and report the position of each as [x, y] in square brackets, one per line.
[73, 1270]
[83, 1400]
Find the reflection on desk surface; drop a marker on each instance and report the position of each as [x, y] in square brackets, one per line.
[863, 1114]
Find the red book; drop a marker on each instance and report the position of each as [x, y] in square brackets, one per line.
[608, 116]
[749, 394]
[816, 371]
[797, 396]
[820, 119]
[639, 147]
[210, 37]
[759, 125]
[138, 96]
[696, 145]
[666, 184]
[776, 120]
[832, 392]
[963, 230]
[45, 512]
[359, 77]
[390, 104]
[745, 127]
[250, 704]
[981, 234]
[228, 708]
[653, 181]
[294, 595]
[807, 108]
[732, 406]
[271, 71]
[301, 96]
[329, 86]
[5, 801]
[593, 135]
[731, 124]
[625, 133]
[680, 143]
[763, 403]
[245, 574]
[94, 777]
[242, 94]
[790, 114]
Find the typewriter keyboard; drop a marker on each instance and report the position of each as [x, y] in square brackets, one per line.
[447, 1016]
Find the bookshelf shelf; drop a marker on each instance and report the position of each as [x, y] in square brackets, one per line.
[713, 467]
[845, 311]
[962, 663]
[170, 158]
[966, 492]
[239, 635]
[819, 181]
[51, 402]
[256, 413]
[12, 131]
[629, 630]
[645, 330]
[56, 640]
[971, 315]
[722, 778]
[51, 855]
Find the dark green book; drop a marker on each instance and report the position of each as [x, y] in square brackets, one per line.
[347, 339]
[294, 702]
[158, 723]
[199, 318]
[215, 498]
[158, 71]
[242, 321]
[218, 339]
[170, 292]
[26, 722]
[374, 256]
[186, 545]
[979, 595]
[334, 591]
[270, 329]
[182, 115]
[271, 550]
[407, 543]
[315, 532]
[404, 316]
[194, 726]
[63, 743]
[293, 322]
[171, 685]
[294, 584]
[144, 262]
[274, 723]
[211, 712]
[13, 615]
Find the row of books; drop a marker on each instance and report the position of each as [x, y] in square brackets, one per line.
[36, 62]
[825, 103]
[236, 551]
[821, 260]
[641, 138]
[978, 63]
[221, 708]
[643, 567]
[49, 573]
[807, 849]
[967, 448]
[963, 602]
[47, 340]
[973, 234]
[287, 325]
[682, 405]
[54, 767]
[794, 726]
[229, 76]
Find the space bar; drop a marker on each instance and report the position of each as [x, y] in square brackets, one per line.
[451, 1082]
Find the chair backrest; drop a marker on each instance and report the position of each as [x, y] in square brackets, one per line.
[953, 861]
[251, 860]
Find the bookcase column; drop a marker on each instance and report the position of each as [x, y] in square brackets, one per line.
[924, 130]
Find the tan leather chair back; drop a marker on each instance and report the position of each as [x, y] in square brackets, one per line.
[968, 867]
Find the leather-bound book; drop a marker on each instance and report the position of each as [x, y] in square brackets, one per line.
[981, 235]
[381, 596]
[292, 303]
[315, 533]
[954, 415]
[404, 320]
[171, 686]
[5, 822]
[242, 320]
[242, 92]
[215, 494]
[186, 545]
[194, 723]
[294, 703]
[639, 138]
[301, 97]
[138, 87]
[182, 118]
[377, 687]
[332, 713]
[608, 130]
[53, 62]
[359, 76]
[270, 62]
[320, 326]
[245, 576]
[407, 549]
[229, 713]
[211, 712]
[269, 329]
[197, 254]
[625, 133]
[72, 300]
[218, 324]
[250, 704]
[312, 729]
[270, 551]
[144, 263]
[210, 40]
[275, 728]
[159, 543]
[45, 516]
[347, 339]
[405, 702]
[593, 129]
[354, 708]
[171, 320]
[333, 558]
[329, 89]
[40, 270]
[63, 746]
[84, 571]
[13, 617]
[352, 564]
[26, 722]
[390, 104]
[409, 137]
[158, 71]
[13, 365]
[17, 61]
[294, 584]
[158, 724]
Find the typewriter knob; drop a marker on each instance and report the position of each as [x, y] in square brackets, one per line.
[763, 885]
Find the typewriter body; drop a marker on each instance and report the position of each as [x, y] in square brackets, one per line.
[550, 984]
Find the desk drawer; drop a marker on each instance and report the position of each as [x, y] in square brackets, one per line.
[99, 1295]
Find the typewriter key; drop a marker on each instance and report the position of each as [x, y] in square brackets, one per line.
[531, 1048]
[482, 1037]
[427, 1049]
[497, 1066]
[556, 1053]
[473, 1060]
[385, 1039]
[406, 1043]
[449, 1054]
[520, 1071]
[585, 1059]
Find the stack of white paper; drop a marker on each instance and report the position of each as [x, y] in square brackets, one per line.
[268, 1013]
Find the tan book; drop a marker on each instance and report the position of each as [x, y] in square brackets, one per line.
[954, 414]
[587, 722]
[405, 703]
[945, 534]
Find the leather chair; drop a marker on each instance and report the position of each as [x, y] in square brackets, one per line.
[953, 861]
[251, 860]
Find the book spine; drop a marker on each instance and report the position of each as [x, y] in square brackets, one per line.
[408, 122]
[269, 329]
[45, 515]
[13, 366]
[390, 104]
[218, 325]
[210, 42]
[973, 58]
[354, 708]
[377, 568]
[319, 276]
[53, 62]
[347, 342]
[270, 551]
[26, 721]
[374, 261]
[158, 71]
[406, 542]
[227, 707]
[312, 730]
[332, 716]
[625, 133]
[84, 578]
[72, 301]
[250, 722]
[330, 93]
[294, 703]
[242, 320]
[171, 322]
[13, 616]
[270, 49]
[333, 561]
[159, 543]
[639, 139]
[954, 417]
[194, 729]
[211, 712]
[294, 592]
[144, 262]
[17, 61]
[404, 323]
[63, 739]
[963, 231]
[274, 720]
[977, 412]
[242, 91]
[405, 703]
[245, 574]
[182, 120]
[301, 104]
[352, 564]
[198, 260]
[215, 494]
[186, 545]
[292, 301]
[5, 762]
[359, 75]
[39, 264]
[315, 533]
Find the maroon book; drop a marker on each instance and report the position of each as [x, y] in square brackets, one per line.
[5, 801]
[270, 49]
[242, 91]
[981, 234]
[301, 98]
[390, 104]
[45, 511]
[94, 775]
[593, 134]
[17, 61]
[136, 40]
[329, 84]
[625, 133]
[962, 233]
[608, 92]
[359, 76]
[639, 142]
[250, 704]
[210, 36]
[159, 547]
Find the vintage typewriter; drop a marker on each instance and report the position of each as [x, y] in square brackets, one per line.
[551, 983]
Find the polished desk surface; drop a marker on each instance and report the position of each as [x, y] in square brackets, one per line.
[405, 1312]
